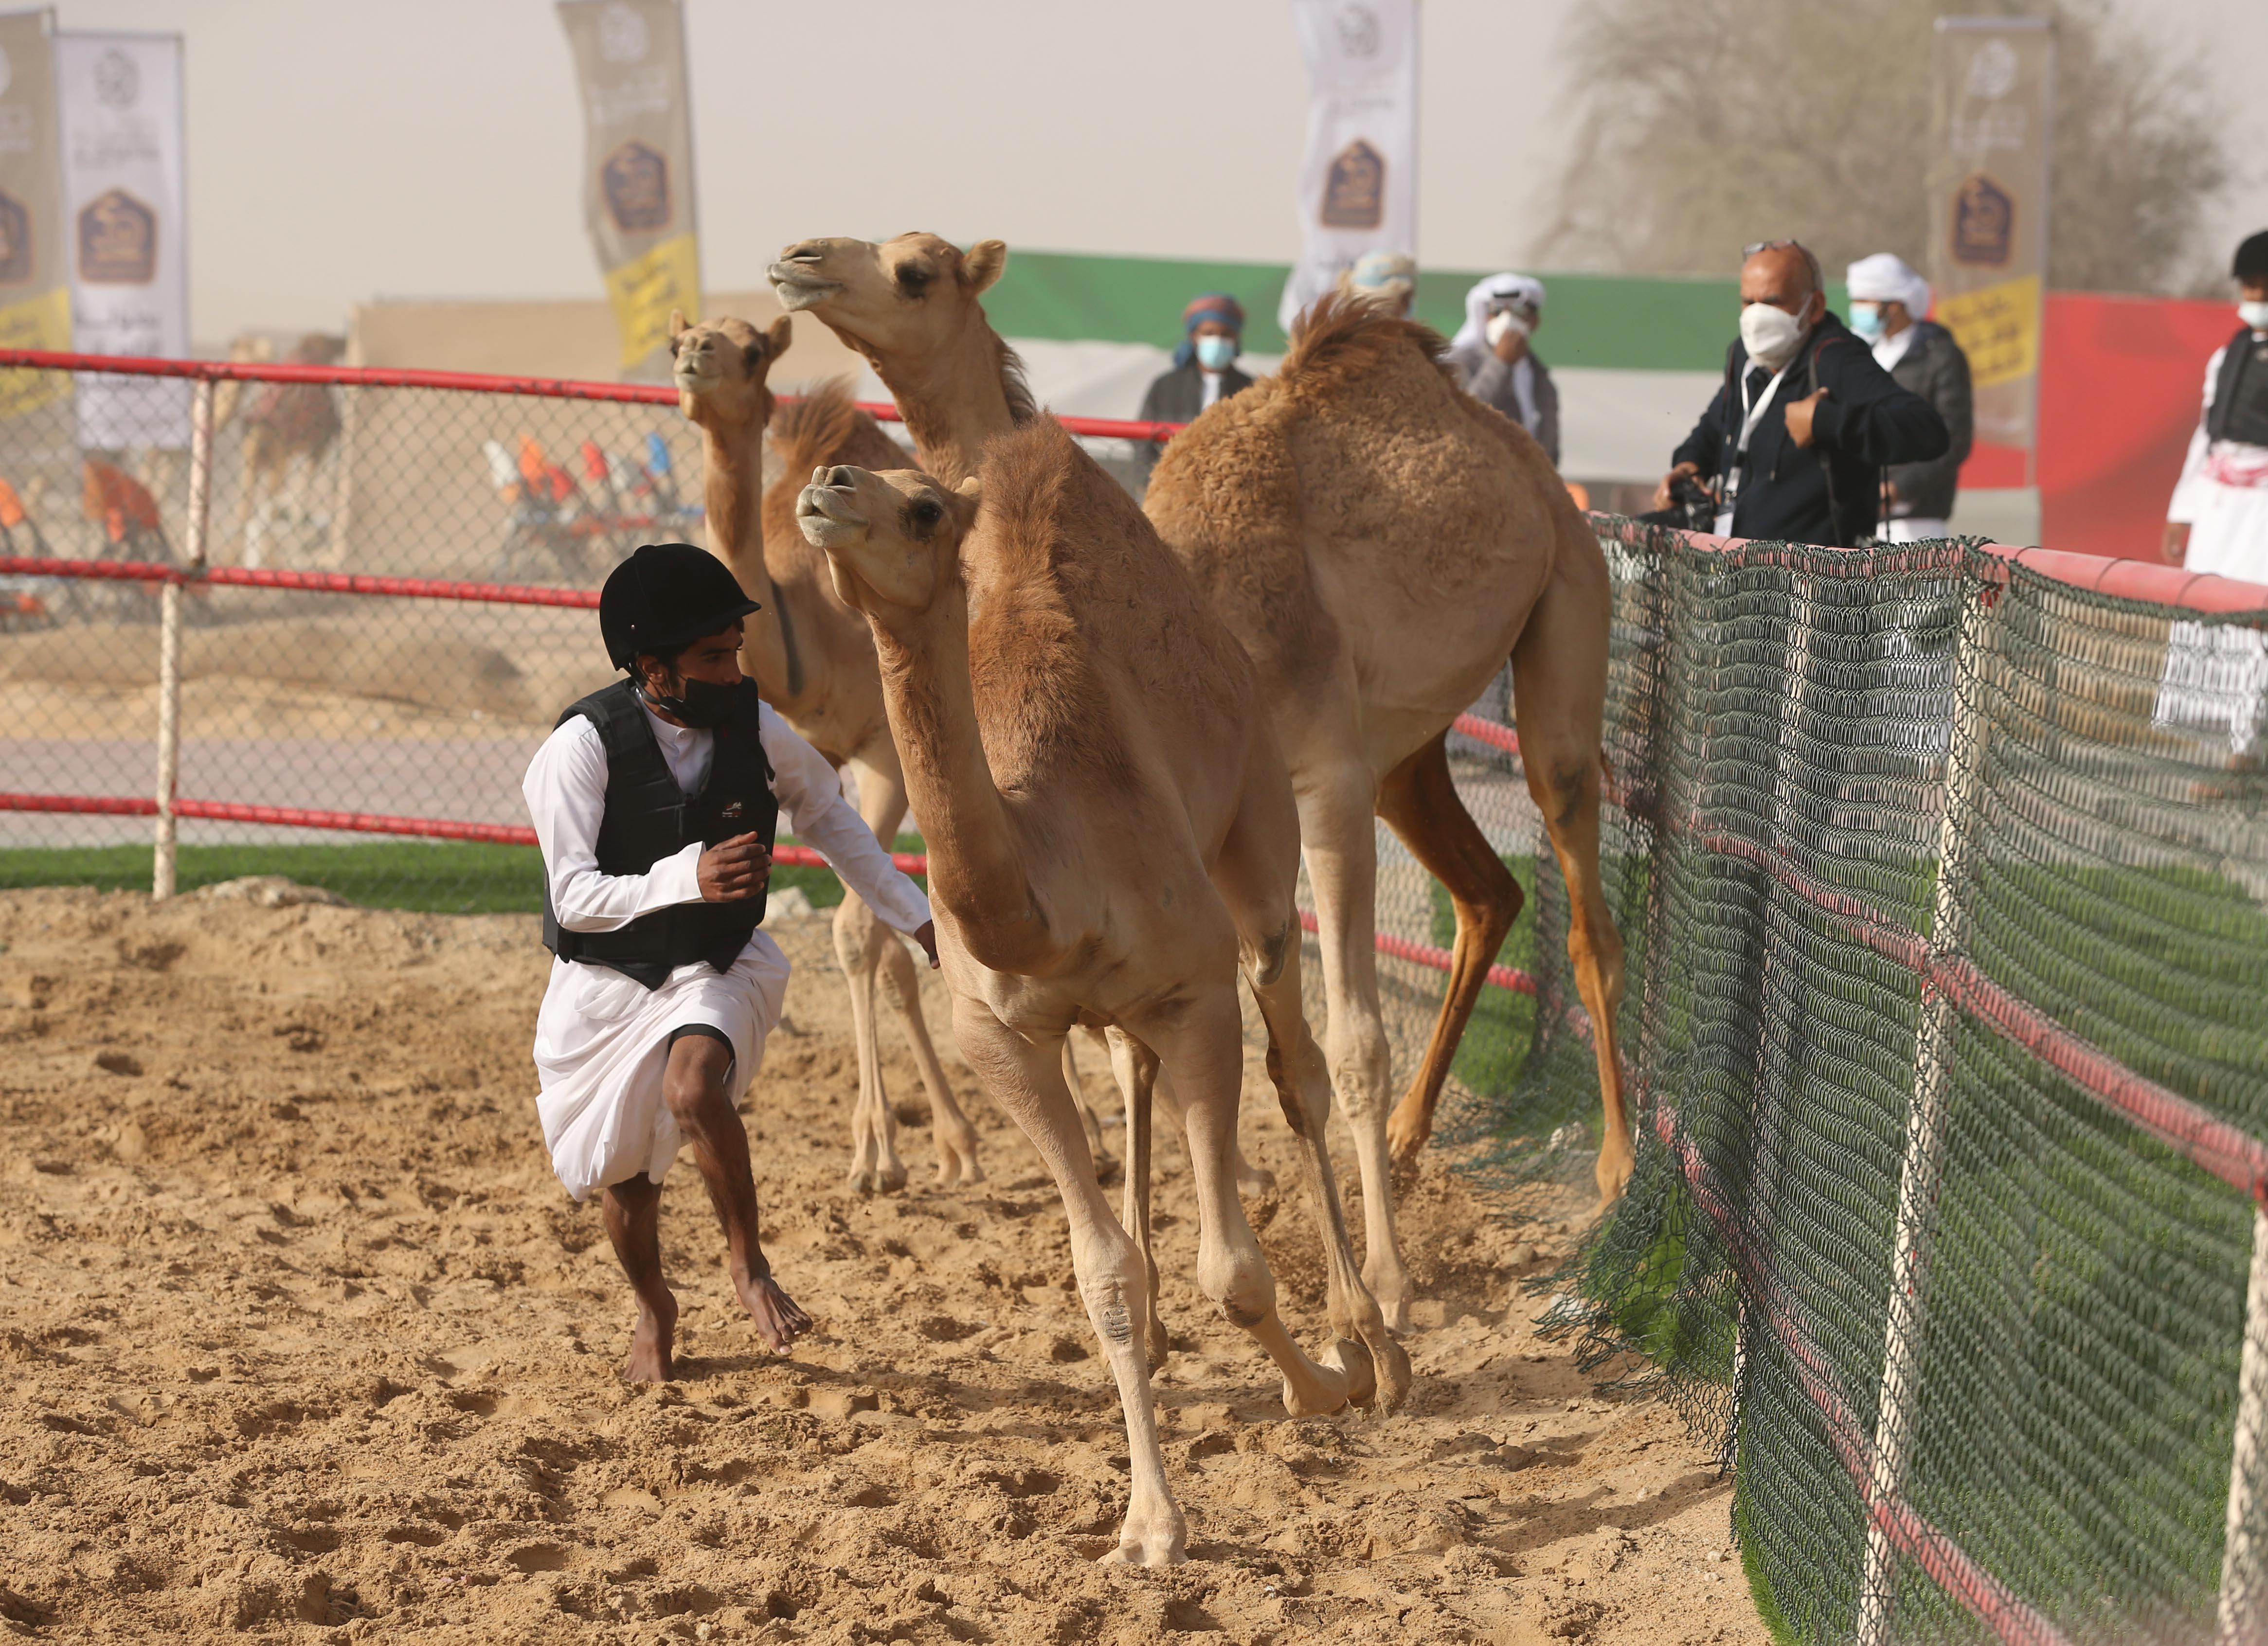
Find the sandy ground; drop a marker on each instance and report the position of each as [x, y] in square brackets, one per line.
[299, 1337]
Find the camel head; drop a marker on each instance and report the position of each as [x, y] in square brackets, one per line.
[902, 297]
[720, 369]
[892, 540]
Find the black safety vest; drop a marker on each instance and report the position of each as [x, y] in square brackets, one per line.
[649, 818]
[2240, 394]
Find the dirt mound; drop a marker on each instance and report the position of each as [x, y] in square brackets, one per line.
[300, 1332]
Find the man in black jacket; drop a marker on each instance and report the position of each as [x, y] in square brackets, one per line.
[1204, 369]
[1797, 437]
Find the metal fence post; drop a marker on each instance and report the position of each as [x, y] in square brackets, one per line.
[2243, 1604]
[162, 877]
[1925, 1148]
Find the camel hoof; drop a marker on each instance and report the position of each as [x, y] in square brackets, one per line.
[1255, 1181]
[1350, 1357]
[891, 1178]
[1330, 1394]
[1156, 1343]
[1159, 1545]
[1614, 1176]
[1393, 1377]
[863, 1180]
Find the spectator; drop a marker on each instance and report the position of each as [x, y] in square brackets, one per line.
[1887, 301]
[2216, 674]
[2218, 520]
[1204, 364]
[1797, 437]
[1492, 359]
[1389, 279]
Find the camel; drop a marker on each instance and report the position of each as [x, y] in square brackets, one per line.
[1112, 840]
[284, 424]
[813, 659]
[1379, 542]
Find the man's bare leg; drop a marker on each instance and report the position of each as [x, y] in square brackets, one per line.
[633, 1216]
[694, 1089]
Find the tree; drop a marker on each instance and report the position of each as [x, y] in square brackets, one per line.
[1711, 123]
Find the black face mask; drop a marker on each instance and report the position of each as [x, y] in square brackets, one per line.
[704, 704]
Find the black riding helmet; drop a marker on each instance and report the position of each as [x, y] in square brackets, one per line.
[665, 595]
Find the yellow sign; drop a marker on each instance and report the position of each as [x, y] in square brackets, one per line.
[644, 289]
[1997, 328]
[42, 322]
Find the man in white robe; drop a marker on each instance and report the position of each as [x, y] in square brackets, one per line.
[2216, 673]
[664, 990]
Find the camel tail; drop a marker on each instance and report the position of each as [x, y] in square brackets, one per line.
[816, 428]
[1341, 337]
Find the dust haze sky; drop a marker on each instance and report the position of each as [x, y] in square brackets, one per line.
[346, 149]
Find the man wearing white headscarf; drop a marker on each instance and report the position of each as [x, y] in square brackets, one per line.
[1492, 359]
[1887, 301]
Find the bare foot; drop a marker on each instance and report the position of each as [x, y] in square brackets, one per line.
[779, 1320]
[650, 1342]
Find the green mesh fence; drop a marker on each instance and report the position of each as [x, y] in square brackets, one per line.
[1943, 886]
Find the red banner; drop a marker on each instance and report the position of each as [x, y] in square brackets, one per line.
[2122, 381]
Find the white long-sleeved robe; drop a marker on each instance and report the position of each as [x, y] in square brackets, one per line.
[2216, 674]
[601, 1039]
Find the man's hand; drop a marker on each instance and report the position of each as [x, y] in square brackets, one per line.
[1800, 413]
[927, 938]
[735, 870]
[1683, 471]
[2176, 544]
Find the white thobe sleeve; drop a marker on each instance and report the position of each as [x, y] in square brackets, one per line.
[811, 795]
[566, 793]
[2188, 490]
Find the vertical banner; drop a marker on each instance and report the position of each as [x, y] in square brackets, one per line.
[125, 198]
[637, 168]
[1988, 185]
[34, 272]
[1359, 179]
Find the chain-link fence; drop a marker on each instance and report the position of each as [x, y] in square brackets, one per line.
[1943, 882]
[326, 614]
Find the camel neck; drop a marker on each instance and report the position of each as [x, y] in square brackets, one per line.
[953, 399]
[733, 497]
[977, 871]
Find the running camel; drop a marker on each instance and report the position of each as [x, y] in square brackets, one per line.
[1379, 542]
[812, 660]
[1112, 840]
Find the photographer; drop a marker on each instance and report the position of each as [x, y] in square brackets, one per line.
[1798, 436]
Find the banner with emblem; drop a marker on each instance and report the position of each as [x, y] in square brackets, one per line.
[1357, 189]
[1988, 212]
[125, 198]
[35, 273]
[638, 159]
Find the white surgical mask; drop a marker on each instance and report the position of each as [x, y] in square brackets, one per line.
[1770, 335]
[1505, 321]
[1214, 352]
[2254, 315]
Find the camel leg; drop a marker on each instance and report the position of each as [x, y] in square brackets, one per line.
[1250, 1180]
[1341, 846]
[1203, 1043]
[882, 804]
[1089, 1121]
[1136, 1066]
[1420, 802]
[875, 1164]
[1559, 681]
[1256, 875]
[1025, 1078]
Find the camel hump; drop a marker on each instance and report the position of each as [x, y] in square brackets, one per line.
[1343, 338]
[825, 426]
